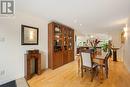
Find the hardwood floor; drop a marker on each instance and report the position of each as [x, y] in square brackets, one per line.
[67, 76]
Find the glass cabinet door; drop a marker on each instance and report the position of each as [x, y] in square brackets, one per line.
[70, 40]
[65, 39]
[57, 39]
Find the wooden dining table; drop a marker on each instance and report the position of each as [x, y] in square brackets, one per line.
[99, 60]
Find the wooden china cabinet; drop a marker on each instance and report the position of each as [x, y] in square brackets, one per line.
[60, 45]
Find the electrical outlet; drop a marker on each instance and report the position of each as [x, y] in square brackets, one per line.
[2, 72]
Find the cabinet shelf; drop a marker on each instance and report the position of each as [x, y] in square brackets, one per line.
[60, 45]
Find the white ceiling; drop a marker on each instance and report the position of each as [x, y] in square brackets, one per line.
[83, 15]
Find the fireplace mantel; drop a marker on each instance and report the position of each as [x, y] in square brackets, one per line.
[33, 54]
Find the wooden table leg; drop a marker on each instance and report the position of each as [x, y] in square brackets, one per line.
[101, 72]
[79, 66]
[78, 63]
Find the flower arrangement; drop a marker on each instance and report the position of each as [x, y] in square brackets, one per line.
[94, 43]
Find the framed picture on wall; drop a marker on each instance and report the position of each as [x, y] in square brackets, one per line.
[29, 35]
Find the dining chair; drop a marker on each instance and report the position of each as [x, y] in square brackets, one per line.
[88, 64]
[108, 55]
[105, 62]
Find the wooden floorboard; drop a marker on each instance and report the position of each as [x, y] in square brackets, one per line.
[67, 76]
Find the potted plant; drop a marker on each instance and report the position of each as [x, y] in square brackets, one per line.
[104, 47]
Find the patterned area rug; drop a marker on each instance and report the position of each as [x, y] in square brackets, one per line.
[16, 83]
[9, 84]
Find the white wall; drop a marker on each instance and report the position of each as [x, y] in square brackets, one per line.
[127, 48]
[116, 41]
[11, 50]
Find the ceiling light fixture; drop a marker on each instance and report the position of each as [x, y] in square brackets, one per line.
[91, 36]
[80, 24]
